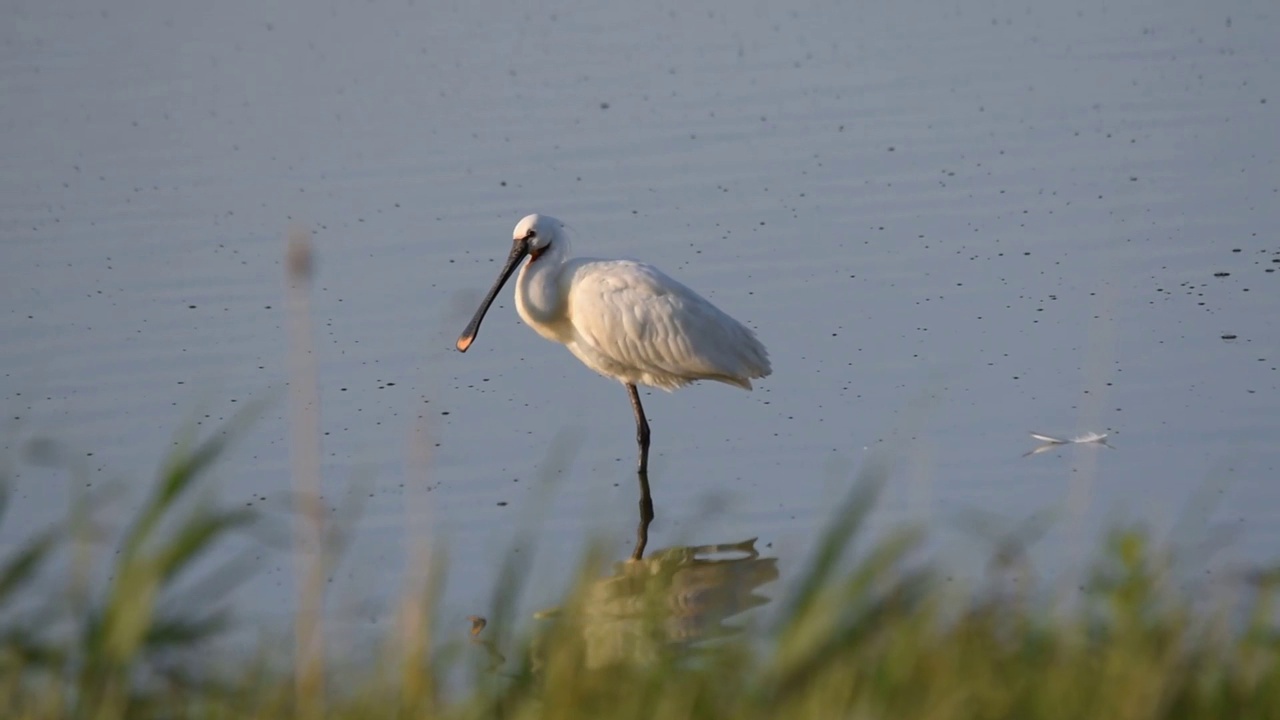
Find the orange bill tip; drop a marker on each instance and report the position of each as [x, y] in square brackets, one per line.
[464, 342]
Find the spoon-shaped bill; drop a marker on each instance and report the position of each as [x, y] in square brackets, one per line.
[519, 249]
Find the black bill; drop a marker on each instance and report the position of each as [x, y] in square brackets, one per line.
[519, 249]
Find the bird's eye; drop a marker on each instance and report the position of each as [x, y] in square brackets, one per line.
[531, 235]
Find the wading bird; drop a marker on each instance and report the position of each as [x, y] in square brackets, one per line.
[626, 320]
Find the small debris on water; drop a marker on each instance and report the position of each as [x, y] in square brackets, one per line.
[1051, 442]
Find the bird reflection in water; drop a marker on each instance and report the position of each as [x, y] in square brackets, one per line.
[674, 599]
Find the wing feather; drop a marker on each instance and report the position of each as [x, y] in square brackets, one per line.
[640, 325]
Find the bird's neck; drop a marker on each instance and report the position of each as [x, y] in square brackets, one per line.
[540, 299]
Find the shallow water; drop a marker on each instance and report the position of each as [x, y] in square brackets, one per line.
[951, 225]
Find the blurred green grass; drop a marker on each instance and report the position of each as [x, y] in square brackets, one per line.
[868, 629]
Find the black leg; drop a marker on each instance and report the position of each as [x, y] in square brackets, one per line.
[642, 530]
[642, 429]
[642, 470]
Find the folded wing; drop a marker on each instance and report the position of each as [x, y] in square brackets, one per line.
[637, 324]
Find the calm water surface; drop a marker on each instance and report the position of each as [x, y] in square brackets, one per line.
[951, 223]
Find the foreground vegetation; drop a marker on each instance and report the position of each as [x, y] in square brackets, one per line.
[869, 630]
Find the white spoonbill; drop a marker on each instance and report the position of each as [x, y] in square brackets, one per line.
[625, 320]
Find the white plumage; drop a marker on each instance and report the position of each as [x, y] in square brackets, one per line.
[625, 320]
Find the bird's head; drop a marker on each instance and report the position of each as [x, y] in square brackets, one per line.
[533, 236]
[539, 233]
